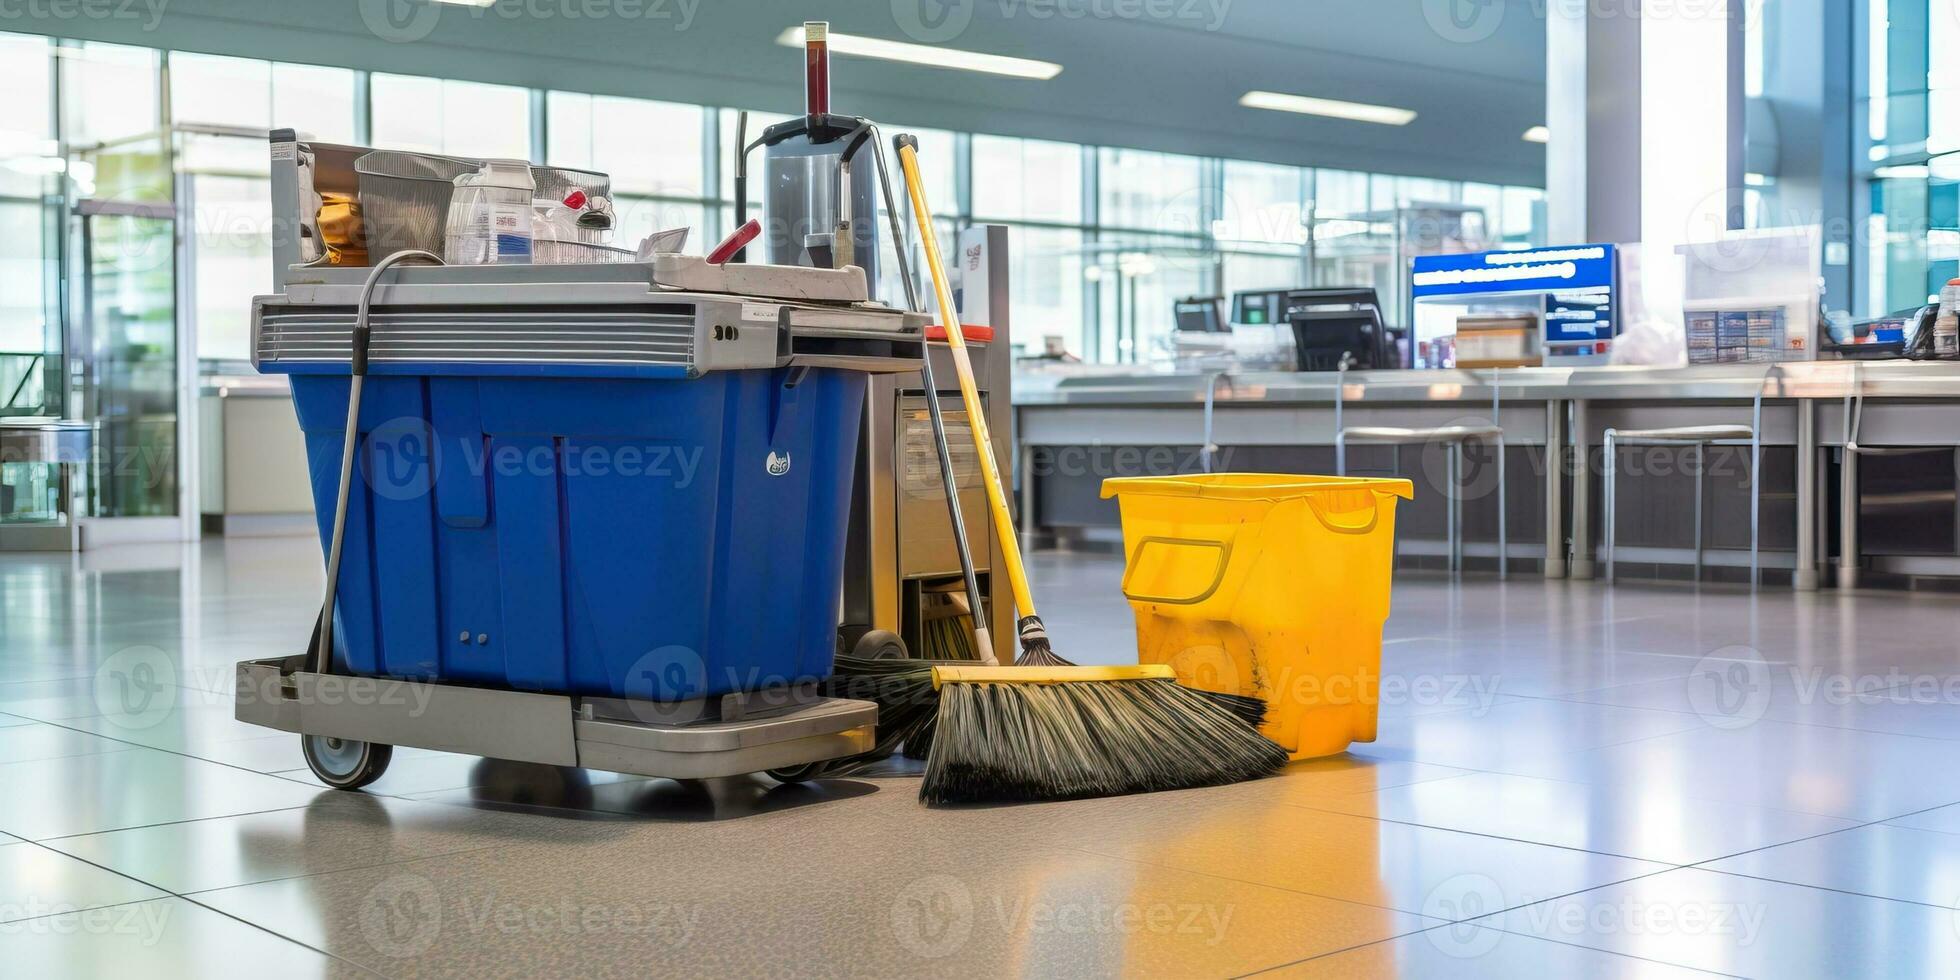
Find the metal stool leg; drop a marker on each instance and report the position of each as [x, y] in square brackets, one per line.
[1756, 509]
[1456, 508]
[1497, 419]
[1340, 418]
[1503, 517]
[1854, 414]
[1701, 469]
[1756, 478]
[1611, 500]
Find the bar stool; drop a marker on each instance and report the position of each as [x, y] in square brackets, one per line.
[1700, 437]
[1455, 436]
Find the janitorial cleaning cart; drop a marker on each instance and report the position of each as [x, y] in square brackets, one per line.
[591, 514]
[589, 507]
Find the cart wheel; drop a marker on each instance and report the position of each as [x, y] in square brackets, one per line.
[880, 645]
[798, 774]
[343, 763]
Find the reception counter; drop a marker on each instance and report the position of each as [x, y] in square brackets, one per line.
[1895, 486]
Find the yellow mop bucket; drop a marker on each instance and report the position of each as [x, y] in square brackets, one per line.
[1268, 585]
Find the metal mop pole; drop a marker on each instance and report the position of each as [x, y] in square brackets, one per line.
[357, 368]
[982, 636]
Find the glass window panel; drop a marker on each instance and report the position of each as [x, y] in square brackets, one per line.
[638, 217]
[938, 167]
[1140, 280]
[128, 170]
[1017, 179]
[407, 113]
[1263, 270]
[316, 101]
[890, 287]
[223, 155]
[25, 78]
[1382, 193]
[1423, 190]
[1262, 203]
[27, 150]
[231, 261]
[758, 121]
[1340, 192]
[1520, 221]
[1943, 120]
[434, 115]
[109, 91]
[1490, 198]
[132, 305]
[1045, 281]
[568, 129]
[219, 91]
[22, 310]
[1943, 78]
[649, 148]
[1151, 191]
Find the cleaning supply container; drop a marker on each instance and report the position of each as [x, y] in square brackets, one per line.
[573, 481]
[1268, 585]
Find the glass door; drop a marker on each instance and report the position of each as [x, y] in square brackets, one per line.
[127, 254]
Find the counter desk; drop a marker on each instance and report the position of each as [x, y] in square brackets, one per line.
[253, 476]
[1888, 505]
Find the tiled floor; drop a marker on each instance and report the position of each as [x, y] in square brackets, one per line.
[1568, 782]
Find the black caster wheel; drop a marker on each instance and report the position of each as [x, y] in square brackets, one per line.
[343, 763]
[880, 645]
[798, 774]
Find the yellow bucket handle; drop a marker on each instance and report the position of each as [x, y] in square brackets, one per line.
[1318, 503]
[1224, 549]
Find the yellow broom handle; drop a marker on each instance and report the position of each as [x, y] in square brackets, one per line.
[983, 440]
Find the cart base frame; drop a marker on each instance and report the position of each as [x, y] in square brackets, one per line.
[726, 736]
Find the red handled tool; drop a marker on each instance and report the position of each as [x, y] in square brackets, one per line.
[735, 242]
[975, 334]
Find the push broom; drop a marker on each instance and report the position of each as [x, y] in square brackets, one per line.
[1049, 729]
[1037, 650]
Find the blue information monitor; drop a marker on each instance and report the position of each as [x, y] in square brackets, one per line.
[1577, 282]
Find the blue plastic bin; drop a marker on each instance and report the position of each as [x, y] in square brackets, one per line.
[652, 539]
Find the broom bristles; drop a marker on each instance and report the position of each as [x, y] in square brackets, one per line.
[908, 707]
[1000, 742]
[1038, 651]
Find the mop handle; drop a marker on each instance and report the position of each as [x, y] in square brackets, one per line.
[983, 440]
[983, 638]
[357, 369]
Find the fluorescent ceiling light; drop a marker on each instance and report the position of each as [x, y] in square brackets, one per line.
[469, 3]
[930, 55]
[1538, 134]
[1332, 108]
